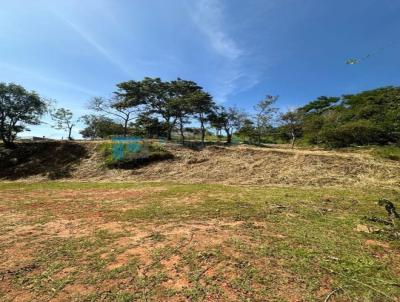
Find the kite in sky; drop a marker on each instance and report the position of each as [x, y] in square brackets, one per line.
[353, 61]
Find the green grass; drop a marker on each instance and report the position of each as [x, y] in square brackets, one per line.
[274, 244]
[388, 152]
[146, 152]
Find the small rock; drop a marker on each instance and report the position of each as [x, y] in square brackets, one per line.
[366, 229]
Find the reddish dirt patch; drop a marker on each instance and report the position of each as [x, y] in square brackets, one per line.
[377, 243]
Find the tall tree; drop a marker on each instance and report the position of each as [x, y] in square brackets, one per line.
[292, 121]
[131, 98]
[64, 120]
[18, 108]
[264, 113]
[202, 107]
[117, 106]
[171, 100]
[184, 94]
[161, 101]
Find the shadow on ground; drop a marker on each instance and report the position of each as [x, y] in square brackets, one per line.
[52, 159]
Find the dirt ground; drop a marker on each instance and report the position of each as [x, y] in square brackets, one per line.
[163, 242]
[223, 223]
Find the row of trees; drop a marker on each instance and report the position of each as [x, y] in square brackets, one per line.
[155, 108]
[147, 101]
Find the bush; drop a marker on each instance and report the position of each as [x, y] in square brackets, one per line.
[147, 152]
[361, 132]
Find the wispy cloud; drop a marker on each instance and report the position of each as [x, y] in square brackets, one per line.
[89, 38]
[37, 76]
[209, 17]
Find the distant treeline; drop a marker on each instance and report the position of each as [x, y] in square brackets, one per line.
[155, 108]
[370, 117]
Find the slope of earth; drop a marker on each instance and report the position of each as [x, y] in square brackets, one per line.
[74, 241]
[214, 164]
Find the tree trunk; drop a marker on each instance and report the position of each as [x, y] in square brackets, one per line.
[170, 127]
[228, 136]
[181, 130]
[203, 132]
[69, 133]
[293, 140]
[125, 127]
[8, 141]
[169, 130]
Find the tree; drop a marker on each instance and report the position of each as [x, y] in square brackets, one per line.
[369, 117]
[320, 105]
[319, 114]
[63, 119]
[100, 126]
[229, 120]
[149, 126]
[247, 131]
[18, 108]
[181, 92]
[292, 122]
[173, 101]
[160, 101]
[264, 115]
[202, 106]
[116, 106]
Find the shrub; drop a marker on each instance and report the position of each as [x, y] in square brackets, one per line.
[361, 132]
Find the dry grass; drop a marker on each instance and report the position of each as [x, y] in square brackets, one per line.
[275, 165]
[252, 165]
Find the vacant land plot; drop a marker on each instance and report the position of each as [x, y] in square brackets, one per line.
[185, 242]
[245, 165]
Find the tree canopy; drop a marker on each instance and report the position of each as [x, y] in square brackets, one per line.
[18, 108]
[369, 117]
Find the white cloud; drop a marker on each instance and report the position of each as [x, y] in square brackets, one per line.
[208, 16]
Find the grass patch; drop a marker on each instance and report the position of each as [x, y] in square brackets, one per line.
[388, 152]
[131, 155]
[200, 242]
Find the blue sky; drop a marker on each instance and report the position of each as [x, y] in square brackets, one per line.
[239, 51]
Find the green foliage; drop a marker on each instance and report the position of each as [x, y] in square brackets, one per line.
[100, 127]
[227, 119]
[388, 152]
[368, 118]
[18, 107]
[264, 114]
[63, 119]
[247, 132]
[149, 126]
[292, 124]
[360, 132]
